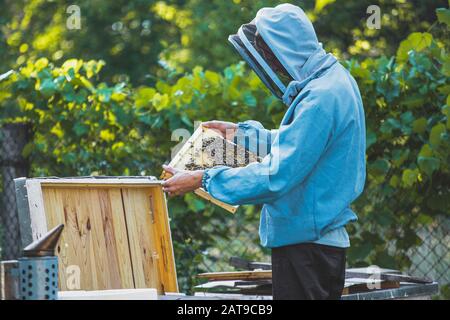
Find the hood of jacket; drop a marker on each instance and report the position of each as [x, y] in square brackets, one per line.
[290, 35]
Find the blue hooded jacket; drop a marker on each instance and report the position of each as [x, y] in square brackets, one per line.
[313, 166]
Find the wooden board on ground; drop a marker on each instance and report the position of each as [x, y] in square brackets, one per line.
[240, 281]
[206, 149]
[237, 275]
[354, 285]
[261, 287]
[372, 270]
[116, 233]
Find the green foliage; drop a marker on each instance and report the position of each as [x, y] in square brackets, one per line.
[443, 15]
[416, 41]
[445, 292]
[138, 37]
[128, 35]
[406, 102]
[340, 25]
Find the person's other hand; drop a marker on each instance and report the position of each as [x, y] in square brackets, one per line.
[182, 181]
[224, 128]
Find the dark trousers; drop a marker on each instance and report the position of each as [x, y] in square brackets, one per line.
[308, 271]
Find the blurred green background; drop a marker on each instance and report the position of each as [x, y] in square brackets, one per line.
[104, 100]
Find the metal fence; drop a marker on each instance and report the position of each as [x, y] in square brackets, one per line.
[243, 241]
[432, 257]
[13, 138]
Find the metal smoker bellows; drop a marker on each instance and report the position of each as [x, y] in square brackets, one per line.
[38, 268]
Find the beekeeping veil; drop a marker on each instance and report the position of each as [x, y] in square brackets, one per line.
[290, 35]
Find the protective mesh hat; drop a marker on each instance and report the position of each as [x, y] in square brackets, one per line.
[244, 43]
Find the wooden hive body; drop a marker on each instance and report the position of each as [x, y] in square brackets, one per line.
[116, 235]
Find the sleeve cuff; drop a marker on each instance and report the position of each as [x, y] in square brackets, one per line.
[205, 180]
[209, 174]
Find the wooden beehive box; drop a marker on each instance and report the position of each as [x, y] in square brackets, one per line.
[206, 149]
[116, 234]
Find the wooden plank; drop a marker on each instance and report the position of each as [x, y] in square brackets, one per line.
[394, 277]
[149, 238]
[67, 247]
[163, 240]
[141, 235]
[9, 280]
[101, 182]
[103, 245]
[357, 285]
[205, 195]
[371, 270]
[237, 275]
[36, 207]
[118, 238]
[94, 238]
[23, 212]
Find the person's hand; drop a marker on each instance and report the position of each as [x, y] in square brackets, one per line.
[182, 181]
[224, 128]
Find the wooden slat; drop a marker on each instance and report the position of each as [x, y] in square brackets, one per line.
[237, 275]
[54, 215]
[94, 238]
[89, 182]
[23, 212]
[120, 239]
[141, 236]
[9, 280]
[361, 286]
[163, 241]
[205, 195]
[36, 206]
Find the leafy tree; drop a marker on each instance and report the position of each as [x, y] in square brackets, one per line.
[407, 102]
[128, 35]
[139, 39]
[340, 25]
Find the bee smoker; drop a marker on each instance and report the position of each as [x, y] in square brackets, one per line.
[38, 268]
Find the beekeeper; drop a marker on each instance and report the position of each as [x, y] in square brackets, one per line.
[313, 166]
